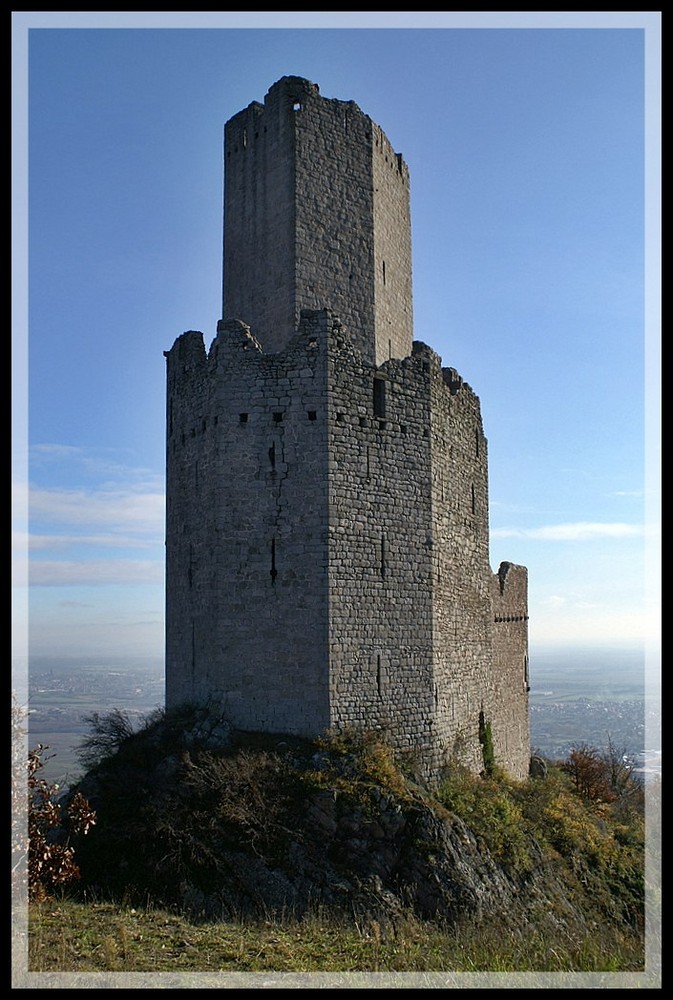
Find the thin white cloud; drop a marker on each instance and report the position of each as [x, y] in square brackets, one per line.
[89, 458]
[578, 531]
[46, 573]
[553, 601]
[117, 509]
[42, 543]
[55, 451]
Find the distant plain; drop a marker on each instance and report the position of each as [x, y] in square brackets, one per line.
[578, 695]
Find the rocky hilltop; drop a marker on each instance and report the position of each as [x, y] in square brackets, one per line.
[223, 824]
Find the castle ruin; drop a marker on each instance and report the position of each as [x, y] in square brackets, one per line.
[327, 539]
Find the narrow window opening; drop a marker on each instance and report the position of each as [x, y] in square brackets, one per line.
[242, 418]
[378, 675]
[474, 500]
[272, 455]
[296, 106]
[363, 422]
[476, 443]
[379, 397]
[204, 424]
[277, 417]
[403, 428]
[245, 138]
[312, 414]
[340, 417]
[390, 348]
[274, 571]
[383, 556]
[368, 468]
[384, 271]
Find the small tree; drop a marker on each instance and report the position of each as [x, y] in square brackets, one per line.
[603, 775]
[51, 862]
[108, 733]
[586, 767]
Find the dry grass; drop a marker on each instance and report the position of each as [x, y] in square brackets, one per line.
[66, 936]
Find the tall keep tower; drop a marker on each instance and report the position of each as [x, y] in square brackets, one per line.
[316, 212]
[327, 497]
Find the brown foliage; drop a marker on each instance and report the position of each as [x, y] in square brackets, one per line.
[601, 775]
[51, 861]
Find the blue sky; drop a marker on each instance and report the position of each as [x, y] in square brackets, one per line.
[534, 154]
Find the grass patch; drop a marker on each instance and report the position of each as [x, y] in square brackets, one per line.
[68, 936]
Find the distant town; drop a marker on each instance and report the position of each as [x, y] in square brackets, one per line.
[568, 708]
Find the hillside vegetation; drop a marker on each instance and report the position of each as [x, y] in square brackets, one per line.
[217, 850]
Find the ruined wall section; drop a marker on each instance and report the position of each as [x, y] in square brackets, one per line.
[380, 549]
[189, 512]
[246, 558]
[461, 570]
[510, 712]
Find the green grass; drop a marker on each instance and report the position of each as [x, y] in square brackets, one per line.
[68, 936]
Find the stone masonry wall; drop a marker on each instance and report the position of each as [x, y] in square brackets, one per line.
[461, 571]
[381, 642]
[246, 551]
[327, 547]
[259, 223]
[509, 706]
[392, 251]
[316, 216]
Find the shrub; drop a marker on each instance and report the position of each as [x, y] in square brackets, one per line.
[486, 740]
[108, 733]
[489, 807]
[51, 858]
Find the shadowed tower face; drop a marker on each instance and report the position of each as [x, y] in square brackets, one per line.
[316, 216]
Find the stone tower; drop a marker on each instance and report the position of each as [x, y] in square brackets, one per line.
[316, 213]
[327, 495]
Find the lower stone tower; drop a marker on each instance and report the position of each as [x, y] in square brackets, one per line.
[327, 507]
